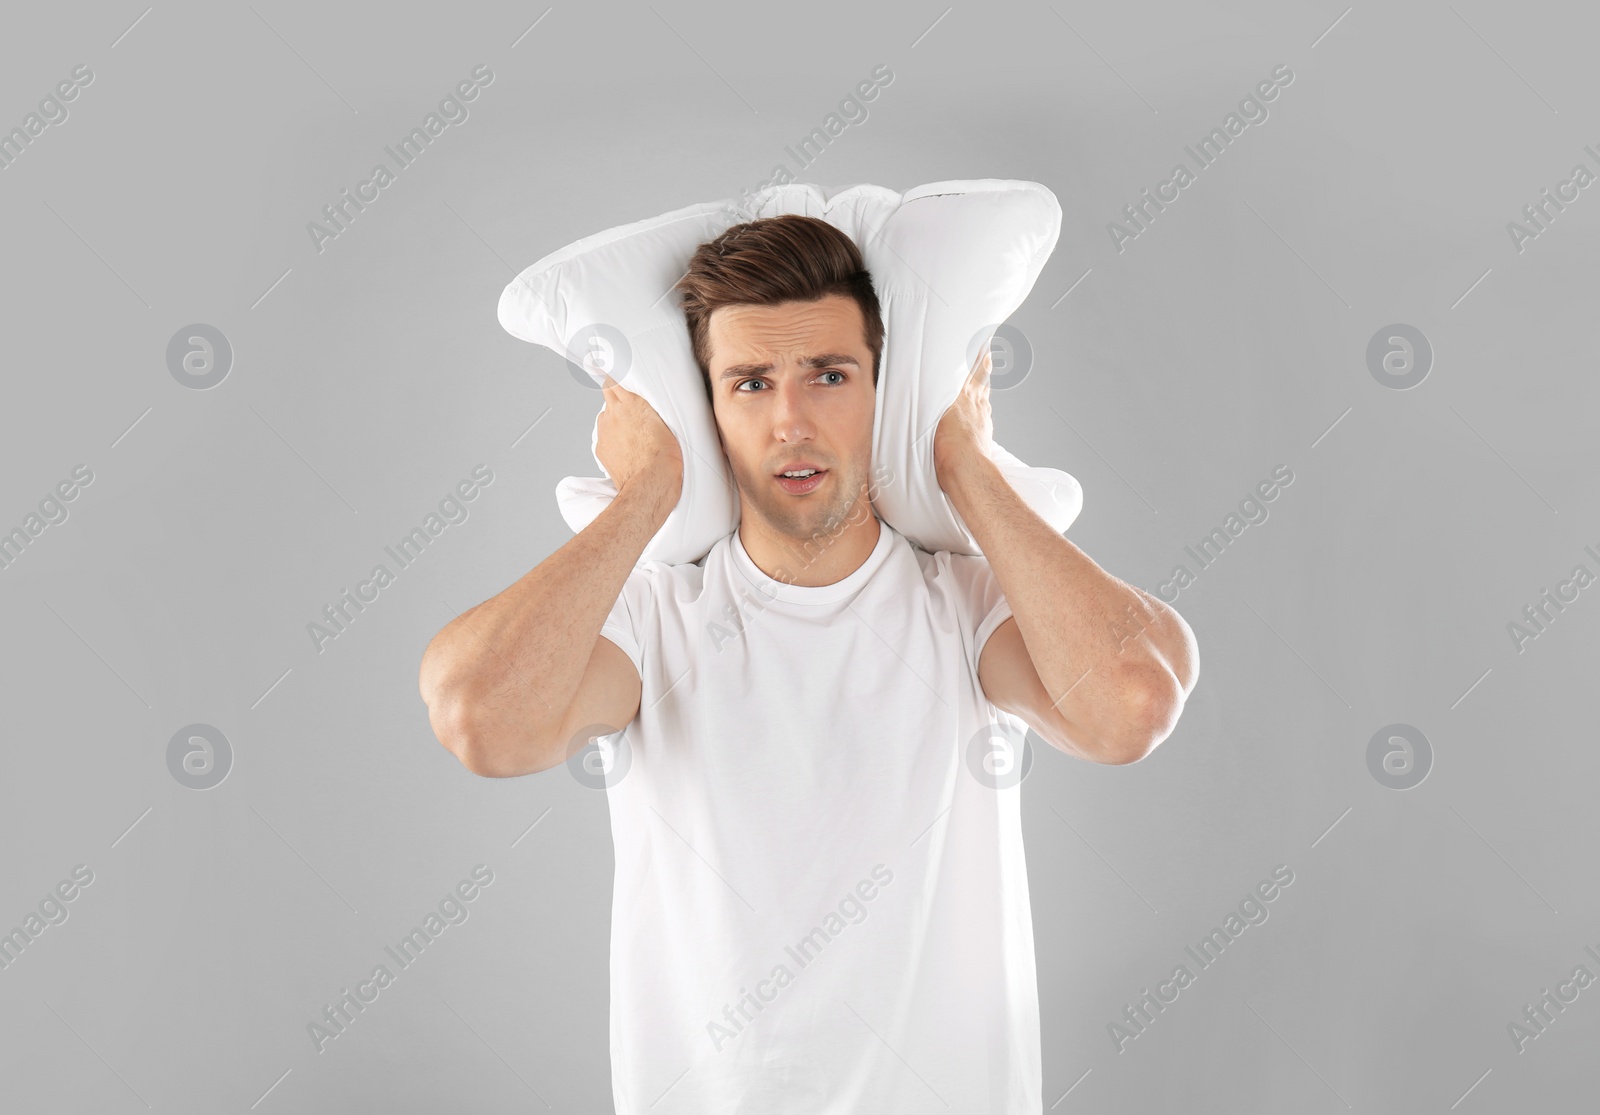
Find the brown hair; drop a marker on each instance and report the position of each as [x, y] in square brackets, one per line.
[788, 258]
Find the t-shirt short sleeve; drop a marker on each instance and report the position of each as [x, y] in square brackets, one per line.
[980, 604]
[625, 624]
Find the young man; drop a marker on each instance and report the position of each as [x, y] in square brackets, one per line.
[820, 903]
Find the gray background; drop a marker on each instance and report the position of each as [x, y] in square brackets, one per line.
[1228, 339]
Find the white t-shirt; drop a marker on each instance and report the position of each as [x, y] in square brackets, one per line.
[821, 903]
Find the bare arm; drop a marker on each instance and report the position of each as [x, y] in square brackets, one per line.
[507, 682]
[1097, 667]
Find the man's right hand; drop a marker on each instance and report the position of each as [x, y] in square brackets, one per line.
[634, 444]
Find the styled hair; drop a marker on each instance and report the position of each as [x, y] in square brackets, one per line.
[788, 258]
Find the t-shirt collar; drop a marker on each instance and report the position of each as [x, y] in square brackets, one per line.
[775, 590]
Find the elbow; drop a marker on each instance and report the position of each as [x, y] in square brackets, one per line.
[485, 751]
[454, 728]
[450, 712]
[1148, 715]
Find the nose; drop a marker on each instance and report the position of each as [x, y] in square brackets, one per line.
[791, 411]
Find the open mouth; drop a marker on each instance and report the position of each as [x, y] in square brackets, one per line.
[801, 480]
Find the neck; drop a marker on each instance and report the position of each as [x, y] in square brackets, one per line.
[825, 558]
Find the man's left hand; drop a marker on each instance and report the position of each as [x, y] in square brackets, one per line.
[967, 427]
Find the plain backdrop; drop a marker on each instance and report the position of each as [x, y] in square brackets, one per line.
[1171, 374]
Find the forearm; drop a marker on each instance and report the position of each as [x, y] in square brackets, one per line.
[511, 666]
[1103, 649]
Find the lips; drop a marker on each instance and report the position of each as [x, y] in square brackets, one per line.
[799, 466]
[800, 486]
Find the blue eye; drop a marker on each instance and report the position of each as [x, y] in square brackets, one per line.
[744, 382]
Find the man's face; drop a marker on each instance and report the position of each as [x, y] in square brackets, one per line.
[791, 386]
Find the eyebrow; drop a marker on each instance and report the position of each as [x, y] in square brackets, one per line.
[823, 361]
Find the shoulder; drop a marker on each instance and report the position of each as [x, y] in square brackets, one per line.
[666, 581]
[951, 566]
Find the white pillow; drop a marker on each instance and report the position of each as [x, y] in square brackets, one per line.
[950, 261]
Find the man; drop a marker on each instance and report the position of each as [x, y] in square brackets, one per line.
[821, 902]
